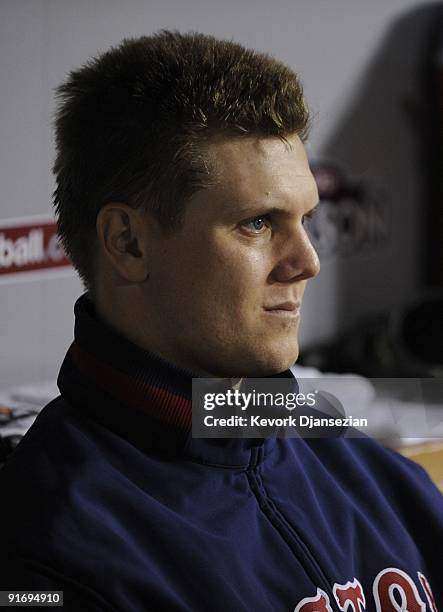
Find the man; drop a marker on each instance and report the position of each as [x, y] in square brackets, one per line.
[182, 192]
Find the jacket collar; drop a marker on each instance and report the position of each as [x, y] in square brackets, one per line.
[138, 395]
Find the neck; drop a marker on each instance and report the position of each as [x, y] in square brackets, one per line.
[127, 315]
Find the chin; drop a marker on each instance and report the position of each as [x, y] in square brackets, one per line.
[273, 362]
[265, 357]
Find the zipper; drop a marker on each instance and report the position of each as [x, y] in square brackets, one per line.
[286, 531]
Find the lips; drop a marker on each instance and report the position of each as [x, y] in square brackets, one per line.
[288, 306]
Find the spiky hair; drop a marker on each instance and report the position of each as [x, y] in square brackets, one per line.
[132, 125]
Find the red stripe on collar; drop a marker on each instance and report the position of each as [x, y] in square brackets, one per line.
[154, 401]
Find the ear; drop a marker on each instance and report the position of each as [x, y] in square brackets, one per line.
[122, 234]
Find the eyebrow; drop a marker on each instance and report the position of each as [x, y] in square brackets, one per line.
[264, 209]
[315, 207]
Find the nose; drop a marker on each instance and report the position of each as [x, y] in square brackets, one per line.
[297, 259]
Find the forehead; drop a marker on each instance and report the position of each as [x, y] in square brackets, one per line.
[252, 169]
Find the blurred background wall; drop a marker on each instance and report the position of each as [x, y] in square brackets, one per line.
[361, 64]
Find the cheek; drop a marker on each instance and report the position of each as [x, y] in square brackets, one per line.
[235, 275]
[213, 279]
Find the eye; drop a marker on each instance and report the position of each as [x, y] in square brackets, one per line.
[308, 216]
[257, 225]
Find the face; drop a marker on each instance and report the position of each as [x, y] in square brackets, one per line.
[224, 293]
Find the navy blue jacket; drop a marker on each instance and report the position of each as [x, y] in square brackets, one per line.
[110, 499]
